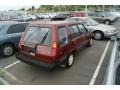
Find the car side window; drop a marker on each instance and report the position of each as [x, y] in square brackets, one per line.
[62, 36]
[91, 14]
[82, 28]
[72, 19]
[17, 28]
[74, 31]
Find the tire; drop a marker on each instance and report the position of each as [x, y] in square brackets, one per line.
[98, 35]
[107, 22]
[7, 50]
[69, 61]
[89, 44]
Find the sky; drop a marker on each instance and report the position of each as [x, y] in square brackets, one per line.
[17, 4]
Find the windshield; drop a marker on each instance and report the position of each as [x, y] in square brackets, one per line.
[91, 22]
[38, 35]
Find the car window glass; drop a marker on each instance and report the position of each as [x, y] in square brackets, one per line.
[62, 36]
[74, 31]
[91, 14]
[17, 28]
[2, 27]
[38, 35]
[72, 19]
[82, 28]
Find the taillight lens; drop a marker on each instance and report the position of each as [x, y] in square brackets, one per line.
[54, 45]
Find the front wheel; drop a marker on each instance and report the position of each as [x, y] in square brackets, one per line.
[107, 22]
[7, 50]
[98, 35]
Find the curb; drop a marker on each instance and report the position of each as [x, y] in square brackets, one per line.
[7, 78]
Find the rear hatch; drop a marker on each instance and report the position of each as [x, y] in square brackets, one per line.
[37, 43]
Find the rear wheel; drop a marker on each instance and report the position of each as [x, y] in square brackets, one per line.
[90, 43]
[7, 50]
[98, 35]
[107, 22]
[70, 61]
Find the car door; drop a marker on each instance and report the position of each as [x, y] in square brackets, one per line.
[76, 37]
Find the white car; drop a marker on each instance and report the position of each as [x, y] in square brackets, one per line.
[117, 14]
[100, 30]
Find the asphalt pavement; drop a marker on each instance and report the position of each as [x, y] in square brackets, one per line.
[82, 72]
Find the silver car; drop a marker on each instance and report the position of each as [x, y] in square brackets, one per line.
[100, 30]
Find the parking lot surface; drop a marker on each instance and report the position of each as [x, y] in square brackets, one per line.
[83, 70]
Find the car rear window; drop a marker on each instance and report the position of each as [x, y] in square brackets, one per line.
[38, 35]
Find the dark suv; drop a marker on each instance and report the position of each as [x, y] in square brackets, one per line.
[10, 33]
[50, 44]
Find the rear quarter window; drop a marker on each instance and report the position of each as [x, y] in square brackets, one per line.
[62, 36]
[17, 28]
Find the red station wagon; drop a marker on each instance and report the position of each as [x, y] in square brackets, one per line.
[49, 44]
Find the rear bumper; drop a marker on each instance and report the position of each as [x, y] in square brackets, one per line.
[32, 61]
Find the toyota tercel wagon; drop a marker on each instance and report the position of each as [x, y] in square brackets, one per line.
[50, 44]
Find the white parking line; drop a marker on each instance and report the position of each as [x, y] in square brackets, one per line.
[11, 65]
[99, 65]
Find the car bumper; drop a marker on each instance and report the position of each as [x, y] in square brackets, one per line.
[32, 61]
[108, 35]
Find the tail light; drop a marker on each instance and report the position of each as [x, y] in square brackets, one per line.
[19, 44]
[54, 45]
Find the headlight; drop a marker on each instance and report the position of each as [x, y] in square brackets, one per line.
[112, 31]
[108, 31]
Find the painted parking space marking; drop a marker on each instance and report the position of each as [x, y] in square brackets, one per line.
[11, 64]
[92, 81]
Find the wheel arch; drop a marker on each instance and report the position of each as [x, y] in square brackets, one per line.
[99, 31]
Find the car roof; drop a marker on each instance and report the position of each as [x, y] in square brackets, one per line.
[10, 22]
[79, 17]
[49, 23]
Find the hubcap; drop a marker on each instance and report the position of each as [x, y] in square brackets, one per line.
[97, 36]
[107, 22]
[8, 50]
[91, 41]
[70, 62]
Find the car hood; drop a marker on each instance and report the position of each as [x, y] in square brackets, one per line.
[102, 27]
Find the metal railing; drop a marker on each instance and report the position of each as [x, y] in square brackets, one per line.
[113, 63]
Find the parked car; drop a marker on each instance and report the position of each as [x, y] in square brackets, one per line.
[32, 17]
[10, 33]
[100, 30]
[21, 19]
[78, 14]
[50, 44]
[60, 17]
[102, 17]
[112, 75]
[39, 17]
[117, 14]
